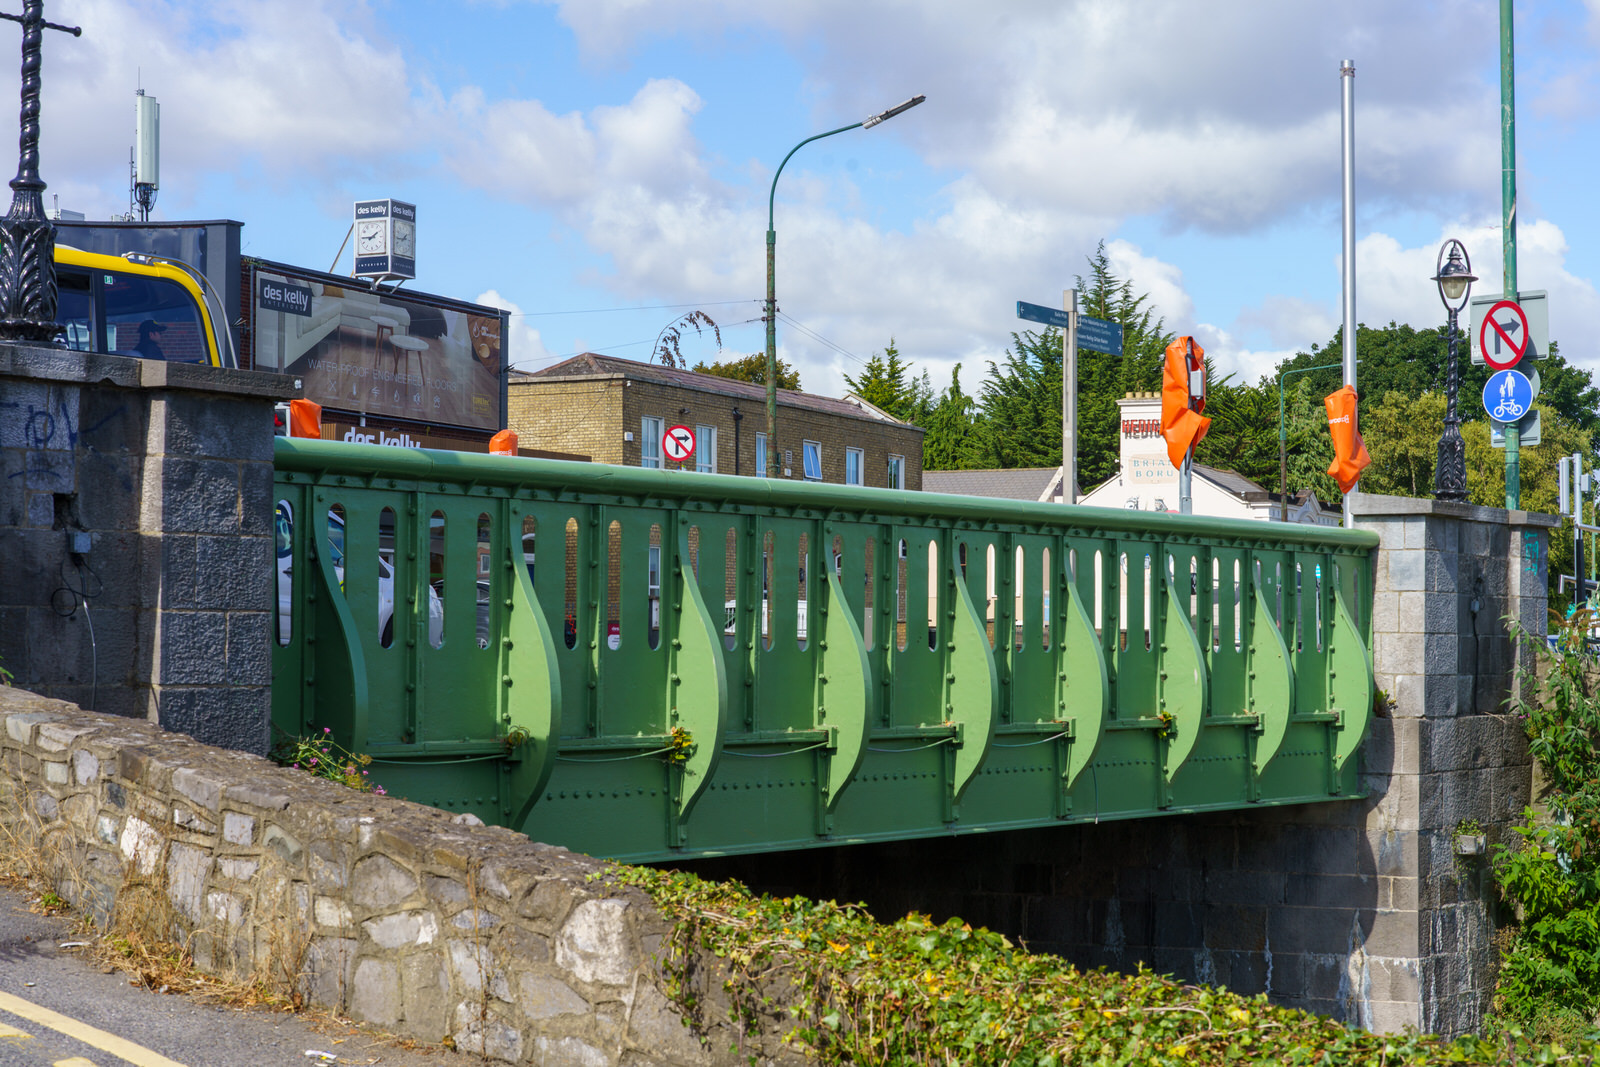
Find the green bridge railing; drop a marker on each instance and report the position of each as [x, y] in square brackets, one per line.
[645, 664]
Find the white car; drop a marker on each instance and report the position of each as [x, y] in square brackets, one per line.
[283, 523]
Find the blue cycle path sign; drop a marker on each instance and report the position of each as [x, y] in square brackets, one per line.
[1507, 395]
[1098, 334]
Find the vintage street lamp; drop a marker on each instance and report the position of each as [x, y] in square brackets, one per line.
[27, 237]
[772, 300]
[1454, 277]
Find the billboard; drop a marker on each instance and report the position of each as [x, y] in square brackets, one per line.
[370, 351]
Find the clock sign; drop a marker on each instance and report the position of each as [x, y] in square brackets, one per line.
[386, 239]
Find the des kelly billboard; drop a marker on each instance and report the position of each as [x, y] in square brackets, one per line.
[371, 351]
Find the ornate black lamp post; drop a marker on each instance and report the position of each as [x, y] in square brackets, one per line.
[27, 237]
[1454, 277]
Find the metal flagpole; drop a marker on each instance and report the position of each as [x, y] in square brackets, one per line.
[1347, 80]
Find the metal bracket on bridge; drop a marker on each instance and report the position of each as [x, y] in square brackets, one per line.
[1183, 689]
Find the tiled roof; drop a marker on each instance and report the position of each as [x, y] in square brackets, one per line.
[1018, 483]
[592, 364]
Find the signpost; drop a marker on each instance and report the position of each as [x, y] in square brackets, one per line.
[677, 444]
[1076, 329]
[1529, 429]
[1531, 329]
[1503, 335]
[1507, 396]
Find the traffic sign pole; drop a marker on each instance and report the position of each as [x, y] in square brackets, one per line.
[1508, 208]
[1069, 399]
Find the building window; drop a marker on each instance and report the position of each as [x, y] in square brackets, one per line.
[852, 466]
[761, 455]
[811, 455]
[705, 449]
[650, 442]
[897, 472]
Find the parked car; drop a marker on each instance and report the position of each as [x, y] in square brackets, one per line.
[283, 525]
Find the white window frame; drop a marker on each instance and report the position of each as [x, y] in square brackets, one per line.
[650, 430]
[895, 472]
[807, 450]
[705, 449]
[854, 463]
[761, 455]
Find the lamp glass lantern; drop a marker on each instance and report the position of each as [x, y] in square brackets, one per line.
[1454, 275]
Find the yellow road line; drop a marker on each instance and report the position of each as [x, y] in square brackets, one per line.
[137, 1055]
[14, 1033]
[76, 1061]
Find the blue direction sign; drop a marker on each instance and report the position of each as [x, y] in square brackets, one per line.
[1098, 334]
[1507, 395]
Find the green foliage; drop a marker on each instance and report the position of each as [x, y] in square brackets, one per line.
[919, 992]
[5, 675]
[1549, 981]
[884, 384]
[751, 368]
[323, 757]
[669, 346]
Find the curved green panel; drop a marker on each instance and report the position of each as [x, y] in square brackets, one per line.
[339, 666]
[1271, 683]
[1349, 683]
[845, 706]
[700, 685]
[1085, 687]
[974, 690]
[1183, 684]
[532, 700]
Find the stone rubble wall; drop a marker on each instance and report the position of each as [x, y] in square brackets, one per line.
[396, 914]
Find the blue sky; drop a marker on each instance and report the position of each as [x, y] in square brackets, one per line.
[602, 166]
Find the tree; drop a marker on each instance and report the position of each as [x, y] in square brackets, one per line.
[669, 344]
[751, 368]
[883, 383]
[951, 424]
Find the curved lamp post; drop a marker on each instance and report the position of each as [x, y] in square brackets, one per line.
[1454, 277]
[772, 300]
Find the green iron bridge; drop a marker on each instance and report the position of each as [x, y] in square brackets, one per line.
[648, 664]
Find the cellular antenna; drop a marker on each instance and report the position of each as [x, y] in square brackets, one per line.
[146, 153]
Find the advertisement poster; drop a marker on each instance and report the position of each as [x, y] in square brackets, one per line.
[380, 352]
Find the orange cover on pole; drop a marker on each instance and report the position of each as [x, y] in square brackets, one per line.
[305, 418]
[1182, 424]
[1350, 456]
[503, 443]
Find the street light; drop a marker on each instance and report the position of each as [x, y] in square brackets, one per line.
[1454, 277]
[772, 299]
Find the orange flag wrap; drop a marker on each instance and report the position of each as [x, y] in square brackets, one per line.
[503, 443]
[1349, 451]
[305, 418]
[1183, 426]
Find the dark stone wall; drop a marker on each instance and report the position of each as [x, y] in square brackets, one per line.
[167, 469]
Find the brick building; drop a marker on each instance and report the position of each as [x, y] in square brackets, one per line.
[616, 410]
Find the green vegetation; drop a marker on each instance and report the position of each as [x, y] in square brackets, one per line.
[1014, 420]
[323, 757]
[751, 368]
[1549, 984]
[864, 993]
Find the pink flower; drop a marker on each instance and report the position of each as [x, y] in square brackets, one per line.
[378, 789]
[327, 729]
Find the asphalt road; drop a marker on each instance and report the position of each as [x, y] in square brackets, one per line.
[59, 1009]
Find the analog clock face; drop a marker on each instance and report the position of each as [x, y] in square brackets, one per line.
[405, 239]
[370, 238]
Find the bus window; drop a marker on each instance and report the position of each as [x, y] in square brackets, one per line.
[153, 318]
[75, 310]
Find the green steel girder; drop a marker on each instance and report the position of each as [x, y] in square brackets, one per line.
[700, 664]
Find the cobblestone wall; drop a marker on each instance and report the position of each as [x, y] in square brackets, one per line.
[400, 915]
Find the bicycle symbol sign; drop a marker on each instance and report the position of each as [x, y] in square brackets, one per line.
[1507, 395]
